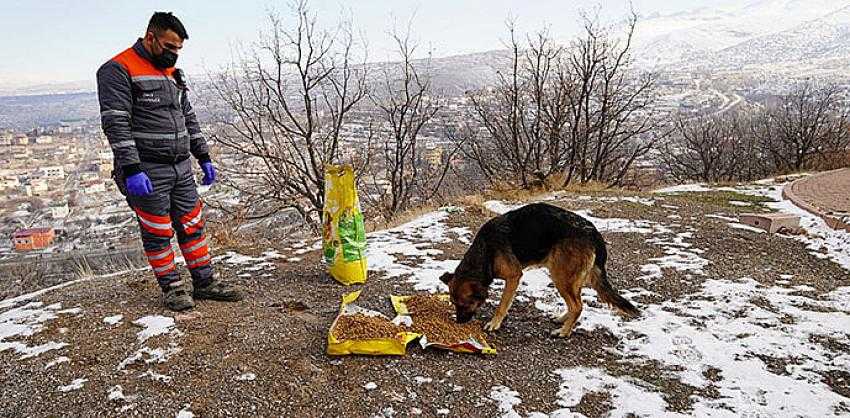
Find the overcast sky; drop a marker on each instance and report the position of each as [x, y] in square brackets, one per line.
[49, 41]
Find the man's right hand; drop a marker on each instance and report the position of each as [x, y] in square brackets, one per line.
[139, 185]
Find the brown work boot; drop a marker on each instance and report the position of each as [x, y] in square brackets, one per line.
[218, 290]
[178, 296]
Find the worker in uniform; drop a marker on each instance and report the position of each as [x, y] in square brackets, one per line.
[153, 131]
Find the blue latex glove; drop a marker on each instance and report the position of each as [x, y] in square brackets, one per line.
[209, 173]
[139, 184]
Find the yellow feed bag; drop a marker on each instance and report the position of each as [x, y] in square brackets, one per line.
[343, 230]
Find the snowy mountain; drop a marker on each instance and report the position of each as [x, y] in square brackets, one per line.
[741, 33]
[820, 44]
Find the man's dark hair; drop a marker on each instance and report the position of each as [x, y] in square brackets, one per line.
[163, 21]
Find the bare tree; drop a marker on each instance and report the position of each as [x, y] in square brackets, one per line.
[612, 122]
[581, 111]
[406, 103]
[809, 122]
[517, 141]
[711, 148]
[287, 102]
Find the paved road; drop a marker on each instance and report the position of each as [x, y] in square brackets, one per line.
[830, 192]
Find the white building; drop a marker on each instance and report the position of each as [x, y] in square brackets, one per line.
[59, 210]
[95, 187]
[53, 172]
[44, 139]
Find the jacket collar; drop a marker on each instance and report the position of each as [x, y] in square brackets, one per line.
[140, 49]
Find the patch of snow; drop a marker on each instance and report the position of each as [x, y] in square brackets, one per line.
[722, 218]
[744, 227]
[150, 355]
[684, 188]
[113, 320]
[420, 380]
[500, 207]
[157, 377]
[621, 226]
[370, 386]
[506, 399]
[739, 203]
[153, 325]
[56, 361]
[29, 296]
[24, 321]
[246, 377]
[115, 393]
[416, 239]
[186, 412]
[443, 411]
[628, 397]
[76, 384]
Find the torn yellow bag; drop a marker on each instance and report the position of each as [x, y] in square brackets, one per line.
[343, 229]
[378, 346]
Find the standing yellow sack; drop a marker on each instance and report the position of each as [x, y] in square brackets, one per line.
[343, 230]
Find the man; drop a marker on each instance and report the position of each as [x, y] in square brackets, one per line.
[152, 130]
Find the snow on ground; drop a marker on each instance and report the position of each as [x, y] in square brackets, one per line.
[245, 377]
[684, 188]
[153, 325]
[18, 323]
[113, 320]
[507, 399]
[253, 263]
[416, 239]
[77, 384]
[819, 236]
[719, 329]
[186, 412]
[57, 361]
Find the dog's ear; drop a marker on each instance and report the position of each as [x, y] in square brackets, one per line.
[447, 277]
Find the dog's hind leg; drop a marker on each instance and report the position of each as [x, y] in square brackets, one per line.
[569, 273]
[508, 268]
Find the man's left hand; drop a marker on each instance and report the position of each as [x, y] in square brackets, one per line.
[209, 173]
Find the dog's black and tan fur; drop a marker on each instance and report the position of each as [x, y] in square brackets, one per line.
[535, 235]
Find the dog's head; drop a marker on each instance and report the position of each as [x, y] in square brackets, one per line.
[468, 294]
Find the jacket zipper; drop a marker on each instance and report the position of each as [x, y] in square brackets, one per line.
[171, 112]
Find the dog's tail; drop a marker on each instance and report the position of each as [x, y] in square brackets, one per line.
[599, 282]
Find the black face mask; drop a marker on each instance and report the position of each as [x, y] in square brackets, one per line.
[165, 59]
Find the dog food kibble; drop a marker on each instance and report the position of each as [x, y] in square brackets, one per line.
[365, 327]
[432, 317]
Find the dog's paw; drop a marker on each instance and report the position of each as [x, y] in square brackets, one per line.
[560, 319]
[560, 333]
[493, 325]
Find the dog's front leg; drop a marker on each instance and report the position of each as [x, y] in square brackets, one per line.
[508, 294]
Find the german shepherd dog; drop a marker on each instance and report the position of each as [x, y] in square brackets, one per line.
[534, 235]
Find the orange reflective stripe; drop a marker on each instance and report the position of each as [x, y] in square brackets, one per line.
[159, 225]
[200, 262]
[192, 213]
[136, 65]
[194, 228]
[193, 256]
[162, 271]
[190, 244]
[160, 219]
[158, 252]
[162, 261]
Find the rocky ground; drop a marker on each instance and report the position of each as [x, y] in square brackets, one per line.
[734, 322]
